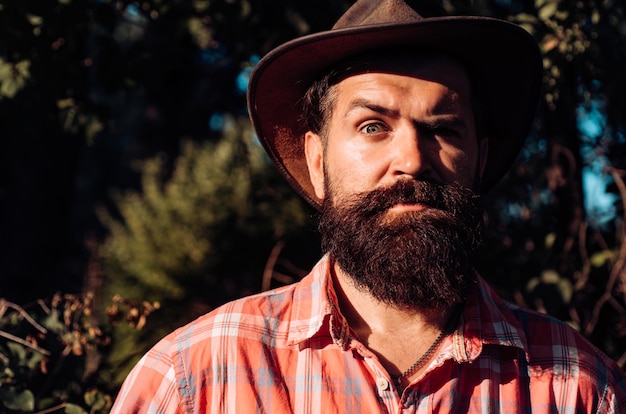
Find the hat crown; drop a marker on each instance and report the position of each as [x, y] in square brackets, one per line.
[377, 12]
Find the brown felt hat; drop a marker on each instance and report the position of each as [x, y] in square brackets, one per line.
[501, 56]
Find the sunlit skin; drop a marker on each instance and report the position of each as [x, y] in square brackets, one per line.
[412, 120]
[386, 127]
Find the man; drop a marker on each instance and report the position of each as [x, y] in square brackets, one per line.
[390, 124]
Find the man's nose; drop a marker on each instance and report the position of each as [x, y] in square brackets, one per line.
[410, 156]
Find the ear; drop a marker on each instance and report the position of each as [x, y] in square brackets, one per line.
[484, 153]
[314, 151]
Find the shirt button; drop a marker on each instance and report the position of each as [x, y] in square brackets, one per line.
[382, 384]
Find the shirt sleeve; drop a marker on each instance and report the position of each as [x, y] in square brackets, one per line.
[151, 385]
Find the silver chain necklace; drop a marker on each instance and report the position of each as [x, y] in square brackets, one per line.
[447, 329]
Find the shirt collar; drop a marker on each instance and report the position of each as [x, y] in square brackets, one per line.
[316, 309]
[486, 318]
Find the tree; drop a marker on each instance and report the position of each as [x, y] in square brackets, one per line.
[89, 87]
[198, 237]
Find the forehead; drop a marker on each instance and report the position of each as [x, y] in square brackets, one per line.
[438, 68]
[435, 85]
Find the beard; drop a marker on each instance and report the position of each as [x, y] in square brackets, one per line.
[420, 260]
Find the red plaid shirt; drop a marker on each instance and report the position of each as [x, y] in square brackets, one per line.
[290, 351]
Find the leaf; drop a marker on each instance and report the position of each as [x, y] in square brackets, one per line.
[74, 409]
[97, 400]
[9, 88]
[599, 259]
[547, 11]
[17, 400]
[549, 276]
[34, 19]
[13, 77]
[566, 289]
[17, 350]
[532, 284]
[35, 360]
[90, 397]
[6, 375]
[53, 323]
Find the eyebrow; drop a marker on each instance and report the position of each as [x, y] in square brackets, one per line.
[364, 103]
[447, 121]
[434, 121]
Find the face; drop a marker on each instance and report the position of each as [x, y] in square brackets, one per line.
[395, 168]
[408, 120]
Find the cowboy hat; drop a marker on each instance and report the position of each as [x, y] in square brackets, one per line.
[503, 58]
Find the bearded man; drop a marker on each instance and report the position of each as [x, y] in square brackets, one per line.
[391, 124]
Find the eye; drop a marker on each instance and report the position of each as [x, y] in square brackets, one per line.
[442, 132]
[447, 129]
[445, 132]
[373, 128]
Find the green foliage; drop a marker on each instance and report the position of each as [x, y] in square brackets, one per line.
[584, 287]
[51, 351]
[200, 234]
[563, 40]
[179, 228]
[44, 58]
[202, 226]
[13, 77]
[544, 249]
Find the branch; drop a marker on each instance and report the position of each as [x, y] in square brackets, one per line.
[6, 304]
[584, 256]
[618, 266]
[52, 409]
[271, 264]
[23, 342]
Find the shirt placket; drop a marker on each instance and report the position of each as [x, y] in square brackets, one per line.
[388, 398]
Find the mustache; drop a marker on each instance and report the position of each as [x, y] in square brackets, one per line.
[435, 195]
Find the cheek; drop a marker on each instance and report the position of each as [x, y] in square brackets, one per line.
[460, 165]
[351, 169]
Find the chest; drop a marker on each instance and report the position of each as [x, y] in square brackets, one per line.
[322, 378]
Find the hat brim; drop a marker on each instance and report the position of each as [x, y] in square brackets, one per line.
[502, 57]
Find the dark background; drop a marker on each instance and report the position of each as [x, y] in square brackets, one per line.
[109, 83]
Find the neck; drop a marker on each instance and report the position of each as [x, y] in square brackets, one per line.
[398, 336]
[366, 313]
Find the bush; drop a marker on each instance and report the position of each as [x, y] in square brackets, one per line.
[51, 351]
[197, 234]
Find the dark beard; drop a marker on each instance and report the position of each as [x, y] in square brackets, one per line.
[417, 260]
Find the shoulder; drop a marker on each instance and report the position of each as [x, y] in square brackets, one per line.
[549, 338]
[238, 318]
[266, 317]
[558, 352]
[544, 338]
[554, 351]
[163, 380]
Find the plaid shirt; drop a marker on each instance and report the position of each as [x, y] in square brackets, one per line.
[289, 350]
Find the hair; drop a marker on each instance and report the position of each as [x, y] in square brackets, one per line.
[319, 100]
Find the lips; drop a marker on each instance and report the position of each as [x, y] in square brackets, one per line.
[408, 207]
